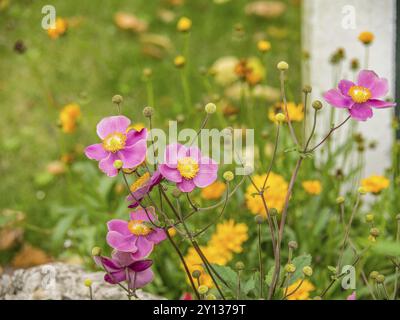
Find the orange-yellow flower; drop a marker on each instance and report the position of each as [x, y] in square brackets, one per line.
[274, 193]
[58, 29]
[366, 37]
[312, 186]
[213, 191]
[302, 293]
[229, 236]
[69, 116]
[375, 183]
[296, 111]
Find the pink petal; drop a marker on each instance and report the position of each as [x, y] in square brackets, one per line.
[123, 258]
[173, 152]
[140, 279]
[169, 173]
[376, 103]
[361, 111]
[120, 242]
[157, 236]
[134, 136]
[120, 226]
[133, 155]
[96, 152]
[112, 124]
[115, 277]
[106, 263]
[207, 173]
[344, 86]
[186, 185]
[336, 99]
[380, 88]
[107, 165]
[194, 153]
[367, 79]
[139, 266]
[144, 248]
[140, 214]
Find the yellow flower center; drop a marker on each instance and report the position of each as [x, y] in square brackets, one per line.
[360, 94]
[188, 167]
[114, 142]
[140, 182]
[138, 228]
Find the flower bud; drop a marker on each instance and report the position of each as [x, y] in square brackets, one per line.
[87, 282]
[374, 274]
[176, 193]
[179, 61]
[290, 268]
[354, 64]
[280, 117]
[147, 72]
[340, 200]
[239, 266]
[369, 217]
[210, 108]
[362, 190]
[117, 99]
[118, 164]
[374, 232]
[273, 212]
[184, 24]
[293, 245]
[259, 219]
[380, 278]
[366, 37]
[210, 296]
[148, 112]
[263, 46]
[202, 289]
[96, 251]
[228, 176]
[283, 66]
[307, 89]
[317, 105]
[307, 271]
[196, 274]
[317, 298]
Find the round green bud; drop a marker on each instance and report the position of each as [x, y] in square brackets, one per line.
[210, 296]
[362, 191]
[280, 117]
[293, 244]
[374, 232]
[228, 176]
[87, 282]
[374, 274]
[259, 219]
[210, 108]
[176, 193]
[147, 72]
[317, 298]
[148, 112]
[180, 118]
[96, 251]
[307, 89]
[202, 289]
[307, 271]
[317, 105]
[290, 268]
[283, 66]
[196, 274]
[117, 99]
[273, 212]
[369, 217]
[380, 278]
[239, 266]
[118, 164]
[340, 200]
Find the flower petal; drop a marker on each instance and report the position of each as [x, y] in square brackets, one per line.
[133, 155]
[141, 265]
[120, 242]
[367, 79]
[361, 111]
[144, 248]
[157, 236]
[140, 279]
[107, 165]
[112, 124]
[194, 153]
[118, 225]
[96, 152]
[108, 264]
[376, 103]
[173, 152]
[169, 173]
[186, 185]
[115, 277]
[344, 86]
[380, 88]
[337, 99]
[123, 258]
[140, 214]
[207, 174]
[134, 136]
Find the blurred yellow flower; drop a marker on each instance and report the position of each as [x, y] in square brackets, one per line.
[184, 24]
[296, 111]
[250, 70]
[213, 191]
[172, 231]
[274, 193]
[375, 183]
[58, 29]
[366, 37]
[302, 293]
[229, 236]
[69, 116]
[312, 186]
[263, 46]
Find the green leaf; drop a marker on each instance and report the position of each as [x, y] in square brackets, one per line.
[300, 262]
[387, 248]
[268, 277]
[226, 273]
[61, 229]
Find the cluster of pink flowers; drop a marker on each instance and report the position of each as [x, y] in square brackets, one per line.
[123, 147]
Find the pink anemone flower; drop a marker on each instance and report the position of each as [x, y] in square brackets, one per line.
[137, 236]
[123, 267]
[187, 167]
[359, 98]
[118, 143]
[143, 186]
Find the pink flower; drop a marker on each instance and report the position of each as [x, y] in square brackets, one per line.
[123, 264]
[118, 143]
[352, 296]
[187, 167]
[137, 236]
[143, 186]
[359, 98]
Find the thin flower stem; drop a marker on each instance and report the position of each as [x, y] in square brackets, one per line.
[305, 119]
[270, 224]
[273, 156]
[312, 130]
[395, 288]
[238, 286]
[294, 291]
[371, 291]
[90, 292]
[260, 261]
[203, 125]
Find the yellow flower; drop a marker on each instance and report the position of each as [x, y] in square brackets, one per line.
[274, 193]
[229, 237]
[303, 292]
[312, 186]
[184, 24]
[69, 116]
[59, 28]
[263, 46]
[375, 183]
[296, 112]
[366, 37]
[172, 231]
[213, 191]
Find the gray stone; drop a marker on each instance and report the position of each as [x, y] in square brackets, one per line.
[59, 281]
